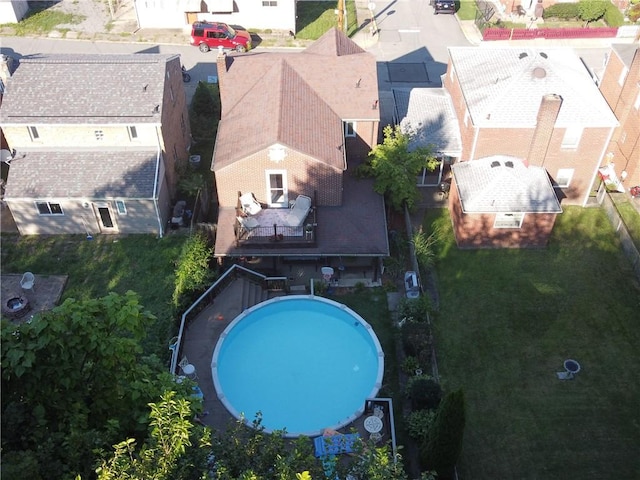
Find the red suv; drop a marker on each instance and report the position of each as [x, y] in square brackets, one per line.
[207, 35]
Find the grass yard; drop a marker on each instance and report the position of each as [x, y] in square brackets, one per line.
[41, 19]
[508, 320]
[631, 219]
[142, 263]
[316, 17]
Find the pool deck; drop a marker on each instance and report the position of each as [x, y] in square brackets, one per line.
[199, 342]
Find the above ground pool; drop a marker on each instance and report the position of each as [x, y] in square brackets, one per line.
[305, 363]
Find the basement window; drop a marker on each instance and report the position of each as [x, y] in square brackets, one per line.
[508, 220]
[48, 208]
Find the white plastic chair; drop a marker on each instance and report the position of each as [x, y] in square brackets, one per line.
[28, 281]
[188, 369]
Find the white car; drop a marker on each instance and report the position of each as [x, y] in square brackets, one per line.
[411, 285]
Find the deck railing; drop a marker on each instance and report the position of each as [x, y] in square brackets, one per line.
[275, 235]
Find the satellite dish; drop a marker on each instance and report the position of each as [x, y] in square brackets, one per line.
[5, 156]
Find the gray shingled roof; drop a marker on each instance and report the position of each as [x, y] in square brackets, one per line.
[95, 89]
[504, 184]
[427, 114]
[82, 174]
[282, 108]
[503, 86]
[626, 52]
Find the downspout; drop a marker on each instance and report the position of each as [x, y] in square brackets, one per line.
[598, 164]
[155, 187]
[475, 142]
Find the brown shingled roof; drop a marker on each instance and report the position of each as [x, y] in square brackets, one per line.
[281, 108]
[334, 42]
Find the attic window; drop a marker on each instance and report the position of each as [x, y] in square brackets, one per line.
[508, 164]
[495, 164]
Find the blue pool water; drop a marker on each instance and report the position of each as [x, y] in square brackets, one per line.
[306, 363]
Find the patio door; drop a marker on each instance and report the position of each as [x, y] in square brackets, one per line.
[277, 194]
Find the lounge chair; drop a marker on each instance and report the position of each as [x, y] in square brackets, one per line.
[250, 205]
[299, 211]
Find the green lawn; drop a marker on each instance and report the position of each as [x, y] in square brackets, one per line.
[508, 320]
[142, 263]
[316, 17]
[631, 219]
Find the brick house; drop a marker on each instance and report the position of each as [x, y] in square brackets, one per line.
[501, 202]
[620, 86]
[537, 104]
[294, 125]
[96, 142]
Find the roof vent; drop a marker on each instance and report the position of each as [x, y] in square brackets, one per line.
[144, 87]
[539, 72]
[358, 83]
[522, 55]
[508, 163]
[544, 55]
[495, 164]
[156, 109]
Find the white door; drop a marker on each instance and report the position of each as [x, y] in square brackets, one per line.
[277, 194]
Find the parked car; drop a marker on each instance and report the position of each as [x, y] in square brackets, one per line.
[443, 6]
[411, 285]
[207, 36]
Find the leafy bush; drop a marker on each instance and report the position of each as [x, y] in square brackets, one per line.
[634, 12]
[563, 11]
[424, 392]
[613, 17]
[416, 341]
[192, 272]
[419, 423]
[415, 310]
[410, 365]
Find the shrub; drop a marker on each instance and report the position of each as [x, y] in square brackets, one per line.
[444, 444]
[414, 310]
[591, 10]
[192, 271]
[613, 17]
[410, 365]
[424, 393]
[562, 11]
[416, 339]
[634, 12]
[419, 423]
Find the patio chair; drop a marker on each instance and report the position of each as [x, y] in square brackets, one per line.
[28, 281]
[299, 211]
[250, 205]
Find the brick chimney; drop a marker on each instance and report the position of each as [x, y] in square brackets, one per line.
[547, 115]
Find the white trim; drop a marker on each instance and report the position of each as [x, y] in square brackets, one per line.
[48, 204]
[566, 173]
[508, 220]
[350, 132]
[282, 201]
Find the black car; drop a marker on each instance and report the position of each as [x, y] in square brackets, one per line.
[443, 6]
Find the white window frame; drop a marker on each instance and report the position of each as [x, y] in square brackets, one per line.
[50, 211]
[33, 133]
[350, 129]
[133, 132]
[508, 220]
[564, 173]
[285, 193]
[121, 208]
[572, 136]
[269, 3]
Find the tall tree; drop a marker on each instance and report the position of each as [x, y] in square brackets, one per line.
[73, 380]
[444, 443]
[396, 167]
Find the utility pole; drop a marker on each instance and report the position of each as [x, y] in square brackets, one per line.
[340, 12]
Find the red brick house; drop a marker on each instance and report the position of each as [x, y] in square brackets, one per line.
[620, 86]
[537, 104]
[293, 125]
[501, 202]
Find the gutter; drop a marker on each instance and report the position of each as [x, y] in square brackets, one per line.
[155, 188]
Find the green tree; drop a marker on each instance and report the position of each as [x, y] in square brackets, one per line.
[396, 167]
[176, 448]
[74, 380]
[192, 273]
[591, 10]
[442, 448]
